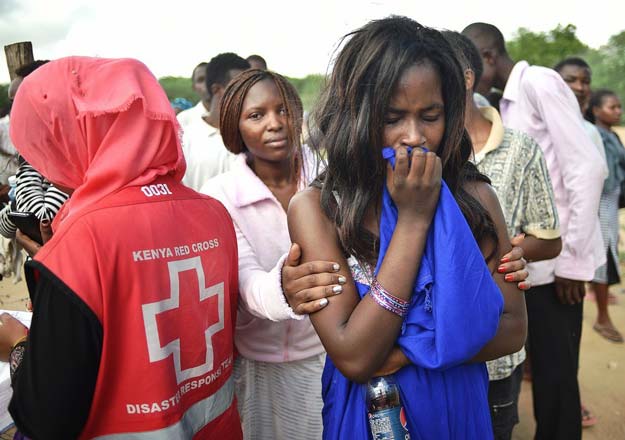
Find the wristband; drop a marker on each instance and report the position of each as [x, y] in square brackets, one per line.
[16, 355]
[388, 301]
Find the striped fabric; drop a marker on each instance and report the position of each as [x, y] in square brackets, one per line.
[608, 219]
[280, 400]
[35, 194]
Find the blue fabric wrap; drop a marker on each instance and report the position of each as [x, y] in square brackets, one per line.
[455, 310]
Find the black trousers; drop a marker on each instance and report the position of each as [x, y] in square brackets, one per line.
[503, 399]
[554, 336]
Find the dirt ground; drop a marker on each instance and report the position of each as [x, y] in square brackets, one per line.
[13, 296]
[601, 379]
[602, 369]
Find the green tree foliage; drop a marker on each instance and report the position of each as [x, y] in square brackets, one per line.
[608, 65]
[178, 87]
[308, 88]
[545, 48]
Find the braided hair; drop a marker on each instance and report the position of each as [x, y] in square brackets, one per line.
[232, 106]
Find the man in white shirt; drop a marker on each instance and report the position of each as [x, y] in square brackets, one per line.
[203, 148]
[195, 113]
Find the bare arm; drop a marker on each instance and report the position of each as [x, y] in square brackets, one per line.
[536, 249]
[306, 286]
[347, 326]
[359, 334]
[512, 330]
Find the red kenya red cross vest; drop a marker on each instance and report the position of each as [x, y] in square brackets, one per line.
[157, 264]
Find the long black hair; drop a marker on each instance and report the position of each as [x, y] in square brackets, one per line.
[348, 123]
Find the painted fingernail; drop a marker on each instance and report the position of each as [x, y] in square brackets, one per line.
[342, 279]
[523, 286]
[505, 259]
[508, 277]
[337, 289]
[501, 269]
[323, 302]
[336, 267]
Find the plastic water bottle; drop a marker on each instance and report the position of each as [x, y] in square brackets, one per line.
[12, 186]
[387, 419]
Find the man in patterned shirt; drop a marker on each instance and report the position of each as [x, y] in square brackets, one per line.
[515, 165]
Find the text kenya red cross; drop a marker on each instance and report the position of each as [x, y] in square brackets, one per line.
[189, 321]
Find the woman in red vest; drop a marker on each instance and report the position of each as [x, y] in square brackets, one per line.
[135, 295]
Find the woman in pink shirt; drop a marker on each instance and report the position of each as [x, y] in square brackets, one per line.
[279, 366]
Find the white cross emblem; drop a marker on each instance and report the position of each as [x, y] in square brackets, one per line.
[156, 351]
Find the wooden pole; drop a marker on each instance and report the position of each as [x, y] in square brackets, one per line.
[18, 54]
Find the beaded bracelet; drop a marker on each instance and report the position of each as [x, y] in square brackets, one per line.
[388, 301]
[16, 355]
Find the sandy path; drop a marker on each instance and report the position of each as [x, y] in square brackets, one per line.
[13, 296]
[601, 377]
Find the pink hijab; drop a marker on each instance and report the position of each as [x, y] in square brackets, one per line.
[95, 125]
